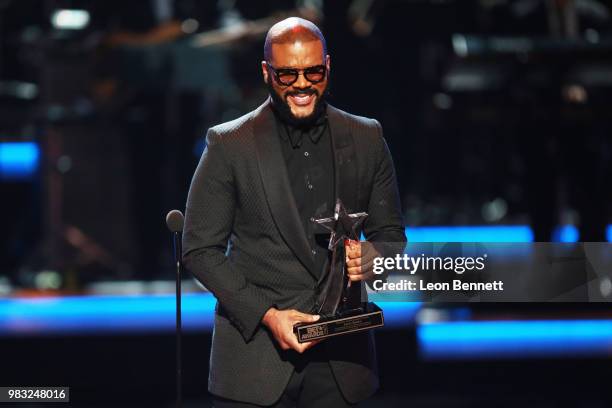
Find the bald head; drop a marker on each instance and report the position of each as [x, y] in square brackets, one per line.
[291, 30]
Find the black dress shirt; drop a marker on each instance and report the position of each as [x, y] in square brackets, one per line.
[309, 158]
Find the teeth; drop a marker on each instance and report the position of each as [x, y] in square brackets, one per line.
[300, 99]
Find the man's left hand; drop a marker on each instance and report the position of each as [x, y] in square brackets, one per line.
[360, 259]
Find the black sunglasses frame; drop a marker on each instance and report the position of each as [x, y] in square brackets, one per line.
[320, 69]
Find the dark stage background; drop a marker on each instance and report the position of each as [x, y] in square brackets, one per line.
[497, 114]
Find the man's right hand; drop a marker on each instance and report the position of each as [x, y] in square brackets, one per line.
[281, 322]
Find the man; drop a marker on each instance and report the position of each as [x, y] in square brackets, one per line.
[249, 239]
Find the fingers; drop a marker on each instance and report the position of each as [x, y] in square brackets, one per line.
[368, 275]
[353, 254]
[281, 324]
[300, 317]
[362, 272]
[358, 268]
[291, 340]
[369, 253]
[360, 260]
[352, 249]
[293, 344]
[302, 347]
[360, 250]
[310, 344]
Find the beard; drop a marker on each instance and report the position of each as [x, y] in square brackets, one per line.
[284, 110]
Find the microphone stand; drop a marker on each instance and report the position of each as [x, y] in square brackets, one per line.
[179, 266]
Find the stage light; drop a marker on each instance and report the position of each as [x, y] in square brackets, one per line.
[442, 101]
[132, 313]
[399, 314]
[605, 286]
[460, 45]
[565, 233]
[19, 89]
[103, 314]
[70, 19]
[498, 233]
[591, 35]
[493, 233]
[510, 339]
[495, 210]
[48, 280]
[190, 26]
[575, 93]
[18, 160]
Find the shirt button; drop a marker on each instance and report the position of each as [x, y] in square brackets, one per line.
[310, 186]
[306, 154]
[314, 251]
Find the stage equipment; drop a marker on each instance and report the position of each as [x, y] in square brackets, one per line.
[175, 222]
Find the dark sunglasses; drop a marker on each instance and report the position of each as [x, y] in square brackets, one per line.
[288, 76]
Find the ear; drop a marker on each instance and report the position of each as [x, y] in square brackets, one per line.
[328, 63]
[264, 71]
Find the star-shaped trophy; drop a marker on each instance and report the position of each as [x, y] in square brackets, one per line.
[337, 299]
[342, 225]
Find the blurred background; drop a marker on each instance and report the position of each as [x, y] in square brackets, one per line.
[497, 114]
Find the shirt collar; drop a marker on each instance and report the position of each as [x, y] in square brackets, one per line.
[295, 135]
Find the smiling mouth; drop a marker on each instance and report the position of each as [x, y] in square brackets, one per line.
[302, 99]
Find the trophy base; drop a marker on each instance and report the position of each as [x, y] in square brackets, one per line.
[366, 318]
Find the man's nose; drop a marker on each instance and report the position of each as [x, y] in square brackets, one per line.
[301, 82]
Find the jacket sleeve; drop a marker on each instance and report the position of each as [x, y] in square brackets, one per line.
[209, 217]
[384, 222]
[384, 226]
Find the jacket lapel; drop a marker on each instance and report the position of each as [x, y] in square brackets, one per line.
[345, 166]
[275, 179]
[346, 187]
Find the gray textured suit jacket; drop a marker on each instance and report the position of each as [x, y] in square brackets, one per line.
[243, 239]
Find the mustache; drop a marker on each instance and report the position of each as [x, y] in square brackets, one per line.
[302, 92]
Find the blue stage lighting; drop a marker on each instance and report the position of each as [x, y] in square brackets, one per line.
[501, 233]
[94, 314]
[18, 160]
[502, 339]
[399, 314]
[565, 233]
[137, 313]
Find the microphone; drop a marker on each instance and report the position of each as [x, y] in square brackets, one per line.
[175, 221]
